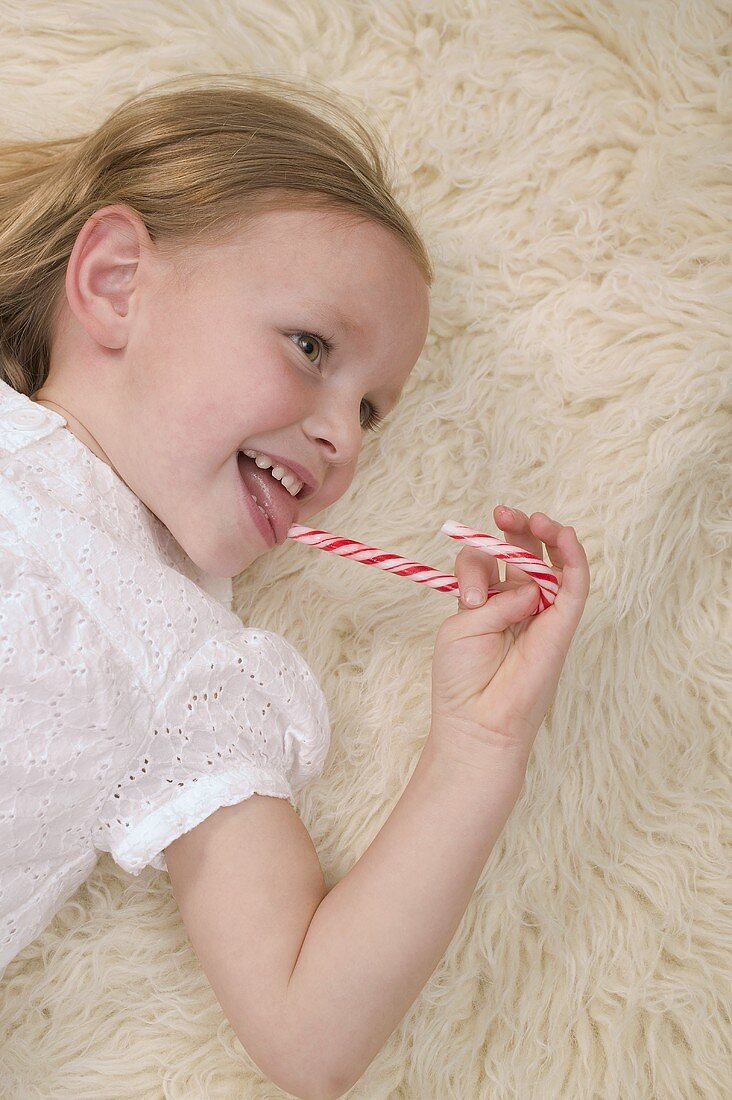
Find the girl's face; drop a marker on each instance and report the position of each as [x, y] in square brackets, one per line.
[176, 368]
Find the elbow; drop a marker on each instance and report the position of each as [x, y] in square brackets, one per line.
[317, 1087]
[313, 1091]
[325, 1089]
[336, 1090]
[333, 1087]
[327, 1092]
[304, 1085]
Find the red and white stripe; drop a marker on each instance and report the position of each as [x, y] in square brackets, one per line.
[423, 574]
[513, 555]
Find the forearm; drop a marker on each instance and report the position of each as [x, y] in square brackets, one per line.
[380, 932]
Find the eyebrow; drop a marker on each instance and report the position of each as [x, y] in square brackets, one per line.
[332, 314]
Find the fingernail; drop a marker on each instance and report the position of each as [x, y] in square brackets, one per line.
[508, 513]
[473, 597]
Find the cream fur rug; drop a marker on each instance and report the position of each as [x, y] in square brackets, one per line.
[569, 165]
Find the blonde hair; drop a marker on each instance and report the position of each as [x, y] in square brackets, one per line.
[195, 162]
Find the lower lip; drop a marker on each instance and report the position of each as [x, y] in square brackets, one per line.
[263, 525]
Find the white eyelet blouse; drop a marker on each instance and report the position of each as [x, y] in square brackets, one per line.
[133, 701]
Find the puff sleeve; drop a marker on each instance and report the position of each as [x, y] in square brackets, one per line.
[244, 715]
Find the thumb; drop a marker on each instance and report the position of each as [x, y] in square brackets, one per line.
[514, 603]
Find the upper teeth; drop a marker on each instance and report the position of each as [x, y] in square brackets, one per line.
[282, 474]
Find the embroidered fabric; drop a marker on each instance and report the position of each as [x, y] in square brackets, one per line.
[133, 701]
[237, 718]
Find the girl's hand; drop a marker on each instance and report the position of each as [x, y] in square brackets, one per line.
[495, 668]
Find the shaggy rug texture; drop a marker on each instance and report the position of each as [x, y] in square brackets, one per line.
[569, 166]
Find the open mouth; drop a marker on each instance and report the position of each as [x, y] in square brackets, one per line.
[271, 502]
[257, 515]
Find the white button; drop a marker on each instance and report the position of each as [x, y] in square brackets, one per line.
[28, 418]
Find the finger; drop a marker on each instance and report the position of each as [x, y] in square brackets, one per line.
[549, 530]
[478, 571]
[513, 603]
[567, 553]
[475, 570]
[517, 531]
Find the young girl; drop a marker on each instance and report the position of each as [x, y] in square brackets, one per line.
[203, 307]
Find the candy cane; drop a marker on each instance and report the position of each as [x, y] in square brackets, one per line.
[515, 555]
[423, 574]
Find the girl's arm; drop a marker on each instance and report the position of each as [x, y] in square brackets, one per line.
[248, 881]
[315, 981]
[380, 932]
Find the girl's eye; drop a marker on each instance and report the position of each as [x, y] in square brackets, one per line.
[308, 341]
[373, 418]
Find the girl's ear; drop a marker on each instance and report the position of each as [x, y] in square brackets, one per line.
[104, 271]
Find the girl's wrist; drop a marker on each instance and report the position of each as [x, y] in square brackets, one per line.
[482, 764]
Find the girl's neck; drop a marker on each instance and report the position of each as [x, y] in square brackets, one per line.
[84, 435]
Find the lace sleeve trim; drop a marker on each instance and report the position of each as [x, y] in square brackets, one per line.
[144, 844]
